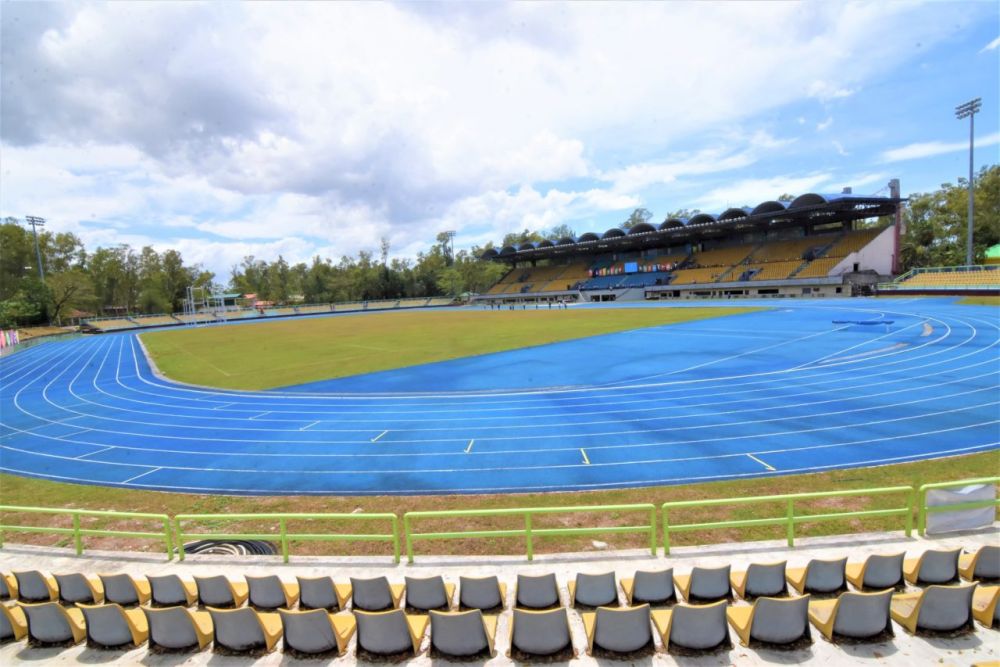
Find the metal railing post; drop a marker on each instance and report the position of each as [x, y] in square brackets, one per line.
[179, 536]
[284, 540]
[909, 514]
[527, 535]
[77, 538]
[395, 539]
[791, 523]
[652, 530]
[666, 532]
[409, 540]
[921, 511]
[167, 538]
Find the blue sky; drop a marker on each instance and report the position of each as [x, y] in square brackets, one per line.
[225, 130]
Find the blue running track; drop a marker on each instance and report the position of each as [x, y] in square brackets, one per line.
[775, 392]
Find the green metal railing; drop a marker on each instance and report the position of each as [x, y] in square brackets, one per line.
[283, 536]
[923, 509]
[529, 532]
[79, 532]
[790, 518]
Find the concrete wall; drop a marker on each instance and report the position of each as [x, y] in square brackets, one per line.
[876, 256]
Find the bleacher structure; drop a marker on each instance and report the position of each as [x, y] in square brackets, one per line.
[814, 245]
[980, 279]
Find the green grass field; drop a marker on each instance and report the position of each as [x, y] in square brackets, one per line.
[287, 352]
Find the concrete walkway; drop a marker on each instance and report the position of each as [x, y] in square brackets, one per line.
[904, 649]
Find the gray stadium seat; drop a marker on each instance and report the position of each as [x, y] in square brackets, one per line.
[375, 594]
[618, 631]
[687, 627]
[819, 576]
[220, 592]
[178, 628]
[51, 624]
[169, 590]
[777, 621]
[390, 633]
[877, 572]
[982, 565]
[933, 566]
[270, 592]
[75, 588]
[483, 593]
[540, 634]
[536, 592]
[111, 626]
[462, 634]
[760, 580]
[125, 590]
[935, 609]
[855, 616]
[705, 584]
[316, 632]
[245, 630]
[322, 593]
[33, 586]
[593, 590]
[654, 588]
[425, 594]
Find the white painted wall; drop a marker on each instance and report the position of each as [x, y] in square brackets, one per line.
[876, 256]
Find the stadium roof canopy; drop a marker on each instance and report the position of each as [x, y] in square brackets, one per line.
[806, 210]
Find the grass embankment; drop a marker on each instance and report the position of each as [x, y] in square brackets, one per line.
[21, 491]
[980, 301]
[266, 355]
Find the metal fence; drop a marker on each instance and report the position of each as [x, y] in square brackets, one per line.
[79, 532]
[923, 509]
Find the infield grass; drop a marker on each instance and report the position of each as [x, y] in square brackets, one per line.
[265, 355]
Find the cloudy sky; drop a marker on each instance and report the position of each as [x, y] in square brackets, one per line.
[232, 129]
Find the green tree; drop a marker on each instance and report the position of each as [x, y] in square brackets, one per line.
[637, 217]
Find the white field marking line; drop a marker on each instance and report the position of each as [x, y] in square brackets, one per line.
[552, 487]
[585, 459]
[221, 406]
[148, 472]
[32, 363]
[769, 467]
[306, 426]
[869, 353]
[379, 436]
[469, 448]
[480, 395]
[263, 414]
[99, 451]
[838, 353]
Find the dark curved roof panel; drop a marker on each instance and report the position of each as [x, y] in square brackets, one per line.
[489, 253]
[808, 199]
[642, 228]
[773, 206]
[508, 250]
[613, 233]
[566, 240]
[527, 245]
[734, 214]
[589, 236]
[673, 223]
[546, 243]
[702, 219]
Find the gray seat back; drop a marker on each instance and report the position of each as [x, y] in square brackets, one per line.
[945, 608]
[710, 583]
[6, 630]
[426, 593]
[266, 592]
[938, 567]
[699, 627]
[860, 616]
[461, 634]
[384, 634]
[4, 591]
[371, 594]
[541, 633]
[883, 571]
[622, 631]
[479, 592]
[31, 586]
[596, 590]
[167, 591]
[120, 589]
[988, 563]
[214, 591]
[780, 621]
[171, 628]
[238, 630]
[308, 631]
[46, 623]
[538, 592]
[766, 579]
[106, 626]
[826, 576]
[74, 588]
[653, 587]
[316, 593]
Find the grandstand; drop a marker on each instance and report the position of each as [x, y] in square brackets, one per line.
[981, 280]
[814, 245]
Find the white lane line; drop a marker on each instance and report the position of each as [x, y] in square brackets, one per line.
[259, 416]
[769, 467]
[307, 426]
[379, 436]
[223, 406]
[585, 459]
[469, 448]
[81, 456]
[148, 472]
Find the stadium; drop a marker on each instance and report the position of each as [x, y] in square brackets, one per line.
[753, 434]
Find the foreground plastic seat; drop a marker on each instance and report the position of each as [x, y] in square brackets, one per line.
[819, 576]
[536, 592]
[245, 630]
[540, 634]
[932, 567]
[169, 590]
[375, 594]
[76, 588]
[322, 593]
[705, 584]
[877, 572]
[593, 590]
[389, 633]
[33, 586]
[654, 588]
[13, 624]
[317, 632]
[111, 626]
[51, 624]
[8, 587]
[854, 616]
[178, 628]
[618, 631]
[985, 607]
[125, 590]
[462, 634]
[982, 565]
[935, 609]
[760, 580]
[425, 594]
[271, 592]
[482, 593]
[688, 627]
[774, 621]
[220, 592]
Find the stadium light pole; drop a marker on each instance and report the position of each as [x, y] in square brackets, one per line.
[35, 223]
[450, 235]
[969, 110]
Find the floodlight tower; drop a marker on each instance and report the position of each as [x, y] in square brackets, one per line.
[35, 223]
[450, 235]
[969, 110]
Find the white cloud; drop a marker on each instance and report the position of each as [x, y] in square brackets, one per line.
[822, 125]
[841, 151]
[930, 148]
[826, 91]
[992, 46]
[750, 191]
